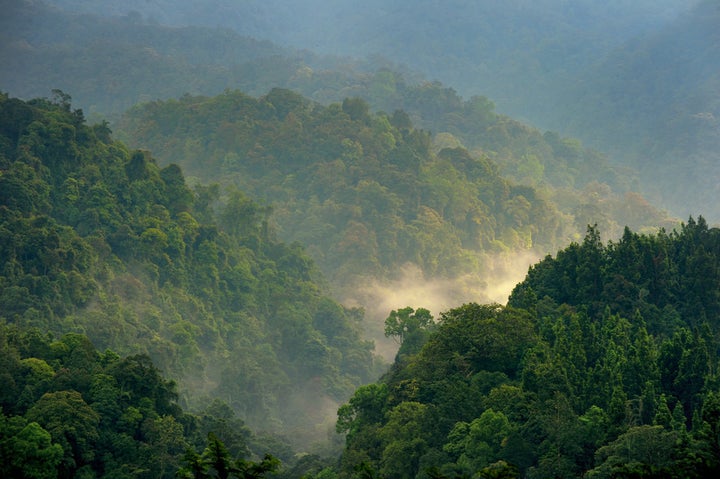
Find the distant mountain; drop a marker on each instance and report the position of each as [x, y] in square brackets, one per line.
[366, 192]
[110, 64]
[654, 104]
[369, 192]
[520, 53]
[635, 80]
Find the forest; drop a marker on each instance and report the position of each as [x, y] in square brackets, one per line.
[232, 249]
[100, 243]
[603, 364]
[635, 81]
[368, 192]
[115, 270]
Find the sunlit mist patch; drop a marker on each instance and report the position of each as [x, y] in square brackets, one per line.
[412, 288]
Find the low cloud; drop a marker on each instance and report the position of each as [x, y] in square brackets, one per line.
[412, 288]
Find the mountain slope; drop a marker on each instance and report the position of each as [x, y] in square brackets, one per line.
[108, 65]
[369, 192]
[99, 240]
[514, 52]
[603, 364]
[365, 191]
[548, 59]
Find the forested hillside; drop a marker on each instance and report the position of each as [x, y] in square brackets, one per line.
[68, 410]
[364, 191]
[109, 64]
[99, 240]
[603, 364]
[172, 270]
[634, 80]
[368, 192]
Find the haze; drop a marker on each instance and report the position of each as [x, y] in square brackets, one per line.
[385, 153]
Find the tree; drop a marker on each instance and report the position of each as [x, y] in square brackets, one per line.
[367, 406]
[404, 442]
[357, 109]
[166, 437]
[499, 470]
[26, 450]
[216, 463]
[404, 322]
[256, 470]
[479, 444]
[217, 457]
[71, 423]
[640, 452]
[221, 420]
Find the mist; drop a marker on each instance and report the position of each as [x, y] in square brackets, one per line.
[634, 79]
[412, 288]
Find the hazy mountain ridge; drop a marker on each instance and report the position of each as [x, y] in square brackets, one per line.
[124, 60]
[633, 79]
[135, 60]
[601, 348]
[610, 346]
[656, 106]
[514, 52]
[368, 192]
[109, 65]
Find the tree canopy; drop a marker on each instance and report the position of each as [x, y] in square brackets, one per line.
[603, 364]
[100, 241]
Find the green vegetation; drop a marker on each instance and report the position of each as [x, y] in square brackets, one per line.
[118, 271]
[100, 241]
[603, 364]
[68, 410]
[523, 54]
[110, 64]
[368, 192]
[364, 191]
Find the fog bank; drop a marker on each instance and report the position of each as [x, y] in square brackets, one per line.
[412, 288]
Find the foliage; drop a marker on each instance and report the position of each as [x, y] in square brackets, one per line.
[88, 413]
[101, 242]
[50, 48]
[409, 327]
[216, 462]
[603, 364]
[366, 192]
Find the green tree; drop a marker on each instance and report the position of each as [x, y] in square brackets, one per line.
[71, 423]
[216, 463]
[643, 451]
[366, 407]
[220, 419]
[404, 442]
[479, 444]
[217, 457]
[27, 451]
[406, 322]
[167, 440]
